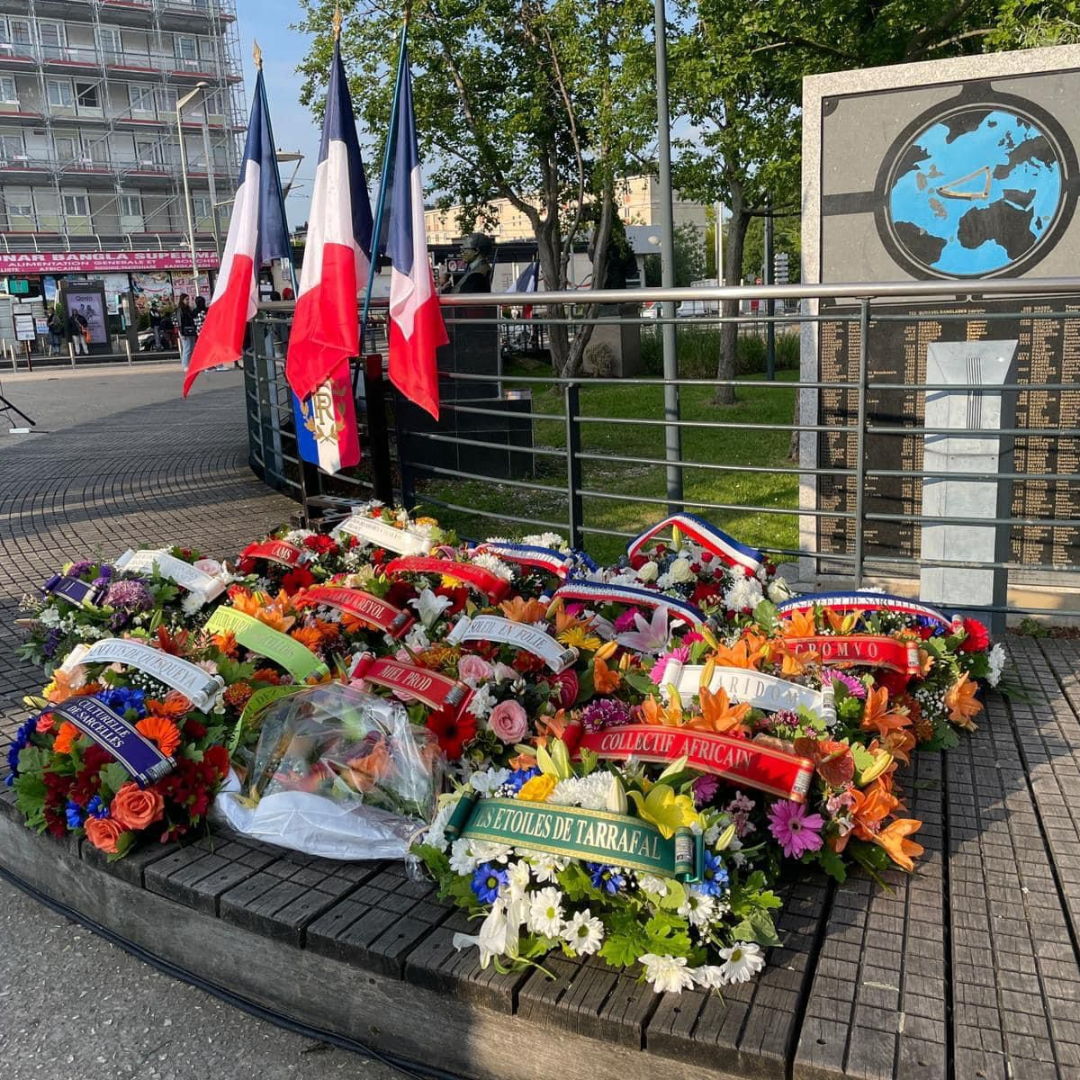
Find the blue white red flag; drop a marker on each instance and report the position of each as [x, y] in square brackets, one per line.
[337, 253]
[416, 323]
[257, 234]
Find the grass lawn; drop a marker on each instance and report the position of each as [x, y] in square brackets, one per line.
[634, 482]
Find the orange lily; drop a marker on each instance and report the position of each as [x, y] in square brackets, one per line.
[521, 610]
[796, 664]
[961, 703]
[605, 679]
[552, 726]
[840, 623]
[719, 714]
[894, 840]
[899, 743]
[655, 713]
[62, 688]
[225, 642]
[523, 761]
[737, 655]
[877, 716]
[800, 624]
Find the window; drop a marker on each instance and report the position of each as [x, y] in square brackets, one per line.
[7, 90]
[19, 204]
[166, 98]
[67, 146]
[147, 152]
[76, 204]
[11, 145]
[58, 92]
[186, 48]
[141, 98]
[20, 32]
[108, 41]
[131, 206]
[51, 36]
[200, 207]
[86, 94]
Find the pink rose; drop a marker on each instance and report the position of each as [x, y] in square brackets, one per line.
[474, 669]
[509, 722]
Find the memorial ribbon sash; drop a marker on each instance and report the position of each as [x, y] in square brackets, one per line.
[299, 661]
[189, 679]
[112, 732]
[483, 581]
[520, 635]
[72, 590]
[752, 687]
[369, 609]
[274, 551]
[739, 761]
[434, 690]
[707, 536]
[862, 601]
[597, 594]
[176, 570]
[593, 835]
[380, 534]
[260, 700]
[866, 650]
[535, 558]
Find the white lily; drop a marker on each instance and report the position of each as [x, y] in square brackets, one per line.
[430, 607]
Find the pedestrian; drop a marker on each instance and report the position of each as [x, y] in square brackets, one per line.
[56, 331]
[185, 320]
[155, 325]
[79, 329]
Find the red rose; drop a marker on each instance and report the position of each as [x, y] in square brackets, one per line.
[400, 593]
[453, 732]
[638, 561]
[894, 681]
[218, 758]
[978, 637]
[297, 579]
[705, 592]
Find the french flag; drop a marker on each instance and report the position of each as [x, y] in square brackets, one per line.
[416, 323]
[257, 234]
[326, 326]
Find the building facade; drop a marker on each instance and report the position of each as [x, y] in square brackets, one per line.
[90, 174]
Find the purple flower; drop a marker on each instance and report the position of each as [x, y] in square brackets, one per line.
[129, 595]
[77, 569]
[52, 642]
[705, 789]
[605, 713]
[849, 682]
[796, 831]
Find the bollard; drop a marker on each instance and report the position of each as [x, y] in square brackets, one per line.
[127, 349]
[71, 353]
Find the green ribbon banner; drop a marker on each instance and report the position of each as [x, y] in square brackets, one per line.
[298, 660]
[593, 835]
[257, 703]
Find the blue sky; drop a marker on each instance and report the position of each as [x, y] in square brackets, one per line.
[268, 21]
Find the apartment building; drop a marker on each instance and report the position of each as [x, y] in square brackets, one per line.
[90, 174]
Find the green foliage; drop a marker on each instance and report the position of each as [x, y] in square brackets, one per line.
[698, 346]
[690, 258]
[1030, 627]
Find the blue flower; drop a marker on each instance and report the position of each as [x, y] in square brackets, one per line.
[714, 878]
[487, 881]
[123, 698]
[20, 742]
[519, 777]
[96, 808]
[75, 815]
[605, 878]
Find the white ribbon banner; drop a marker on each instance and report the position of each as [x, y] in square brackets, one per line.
[761, 691]
[520, 635]
[176, 570]
[190, 680]
[402, 541]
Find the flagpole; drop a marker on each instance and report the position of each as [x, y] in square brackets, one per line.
[380, 202]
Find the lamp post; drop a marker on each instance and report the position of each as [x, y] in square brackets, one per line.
[181, 102]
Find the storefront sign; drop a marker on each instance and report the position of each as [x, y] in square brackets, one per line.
[78, 262]
[363, 606]
[299, 661]
[520, 635]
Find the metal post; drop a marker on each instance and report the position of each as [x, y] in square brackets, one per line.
[187, 189]
[860, 436]
[672, 434]
[575, 509]
[212, 184]
[378, 429]
[127, 349]
[71, 353]
[770, 305]
[719, 212]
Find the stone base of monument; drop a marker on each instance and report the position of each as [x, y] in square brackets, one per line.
[473, 349]
[614, 350]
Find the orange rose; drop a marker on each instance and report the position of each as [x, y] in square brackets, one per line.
[103, 833]
[136, 808]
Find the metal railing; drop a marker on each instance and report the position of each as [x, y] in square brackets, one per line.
[592, 455]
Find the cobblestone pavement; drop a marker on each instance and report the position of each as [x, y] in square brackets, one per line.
[125, 462]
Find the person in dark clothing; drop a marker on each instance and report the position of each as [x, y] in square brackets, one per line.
[155, 325]
[77, 328]
[185, 318]
[476, 251]
[56, 331]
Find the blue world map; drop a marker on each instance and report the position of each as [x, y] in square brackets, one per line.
[975, 192]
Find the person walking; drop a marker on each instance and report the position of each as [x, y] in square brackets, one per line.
[185, 322]
[56, 331]
[155, 325]
[79, 330]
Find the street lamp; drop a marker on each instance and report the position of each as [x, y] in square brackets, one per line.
[181, 102]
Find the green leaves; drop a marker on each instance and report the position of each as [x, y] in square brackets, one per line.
[767, 617]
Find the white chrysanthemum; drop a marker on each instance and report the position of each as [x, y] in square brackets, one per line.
[489, 851]
[698, 908]
[436, 834]
[744, 593]
[192, 602]
[518, 877]
[417, 638]
[297, 536]
[589, 792]
[494, 564]
[462, 859]
[546, 912]
[545, 866]
[482, 702]
[996, 658]
[742, 961]
[49, 617]
[484, 783]
[709, 977]
[655, 885]
[584, 933]
[667, 973]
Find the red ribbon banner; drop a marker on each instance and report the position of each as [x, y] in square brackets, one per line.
[275, 551]
[434, 690]
[369, 609]
[739, 761]
[867, 650]
[484, 581]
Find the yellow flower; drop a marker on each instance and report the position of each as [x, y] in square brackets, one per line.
[539, 788]
[427, 521]
[577, 637]
[449, 582]
[666, 810]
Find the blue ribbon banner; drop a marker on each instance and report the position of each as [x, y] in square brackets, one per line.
[72, 590]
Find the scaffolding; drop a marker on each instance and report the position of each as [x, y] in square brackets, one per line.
[188, 42]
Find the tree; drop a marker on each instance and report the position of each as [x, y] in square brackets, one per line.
[690, 262]
[787, 237]
[544, 103]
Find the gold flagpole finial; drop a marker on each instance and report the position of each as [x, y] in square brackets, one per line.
[256, 52]
[337, 22]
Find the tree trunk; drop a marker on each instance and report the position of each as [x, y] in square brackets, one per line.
[729, 331]
[548, 253]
